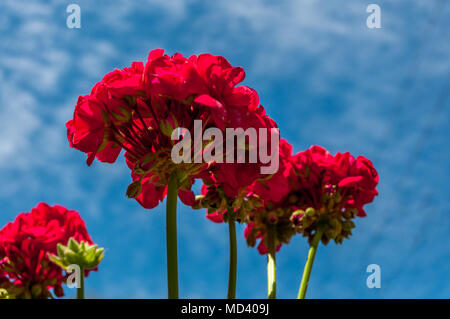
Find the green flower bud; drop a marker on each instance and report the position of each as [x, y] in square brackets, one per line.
[36, 290]
[134, 189]
[166, 128]
[272, 217]
[310, 211]
[329, 233]
[4, 294]
[82, 254]
[138, 170]
[348, 225]
[72, 245]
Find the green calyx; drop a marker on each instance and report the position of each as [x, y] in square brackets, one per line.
[134, 189]
[82, 254]
[4, 294]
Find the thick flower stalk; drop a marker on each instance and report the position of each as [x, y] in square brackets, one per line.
[145, 109]
[25, 245]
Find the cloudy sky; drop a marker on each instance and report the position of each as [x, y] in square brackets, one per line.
[324, 77]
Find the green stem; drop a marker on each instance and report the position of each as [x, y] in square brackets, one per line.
[171, 236]
[309, 263]
[80, 290]
[233, 260]
[271, 263]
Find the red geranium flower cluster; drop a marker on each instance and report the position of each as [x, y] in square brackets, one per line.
[331, 191]
[229, 191]
[137, 109]
[246, 202]
[312, 189]
[26, 243]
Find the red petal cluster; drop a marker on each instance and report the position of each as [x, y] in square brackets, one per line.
[137, 108]
[312, 189]
[319, 175]
[26, 243]
[277, 186]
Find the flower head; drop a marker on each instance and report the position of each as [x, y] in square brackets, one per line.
[330, 192]
[312, 189]
[139, 108]
[26, 243]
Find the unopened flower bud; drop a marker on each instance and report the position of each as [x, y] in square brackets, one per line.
[4, 294]
[272, 217]
[134, 189]
[348, 225]
[298, 213]
[296, 217]
[347, 214]
[269, 205]
[82, 254]
[36, 290]
[310, 211]
[166, 128]
[199, 202]
[329, 233]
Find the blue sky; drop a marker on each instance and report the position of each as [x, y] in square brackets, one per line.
[321, 74]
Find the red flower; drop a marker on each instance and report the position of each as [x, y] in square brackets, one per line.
[233, 177]
[26, 243]
[276, 187]
[321, 173]
[121, 83]
[138, 108]
[175, 77]
[221, 94]
[241, 191]
[312, 189]
[272, 193]
[88, 132]
[329, 191]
